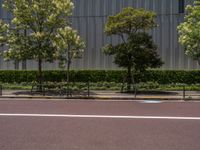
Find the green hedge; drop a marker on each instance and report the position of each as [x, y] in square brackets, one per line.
[160, 76]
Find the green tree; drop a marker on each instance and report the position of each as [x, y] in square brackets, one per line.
[189, 31]
[137, 51]
[35, 27]
[70, 46]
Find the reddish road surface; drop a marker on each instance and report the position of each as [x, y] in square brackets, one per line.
[98, 125]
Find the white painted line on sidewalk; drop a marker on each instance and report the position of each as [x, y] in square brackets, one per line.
[100, 116]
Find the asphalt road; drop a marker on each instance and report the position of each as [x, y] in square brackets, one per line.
[98, 125]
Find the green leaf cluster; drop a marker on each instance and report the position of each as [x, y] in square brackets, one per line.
[69, 45]
[189, 31]
[139, 52]
[129, 21]
[3, 31]
[36, 28]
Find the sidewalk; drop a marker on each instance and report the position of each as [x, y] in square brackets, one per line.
[109, 95]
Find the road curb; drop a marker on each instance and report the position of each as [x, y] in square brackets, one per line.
[98, 98]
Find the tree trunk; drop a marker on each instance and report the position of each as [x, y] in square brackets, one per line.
[129, 79]
[40, 75]
[24, 65]
[68, 69]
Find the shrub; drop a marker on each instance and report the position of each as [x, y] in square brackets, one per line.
[116, 76]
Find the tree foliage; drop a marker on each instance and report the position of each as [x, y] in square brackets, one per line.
[3, 31]
[69, 44]
[41, 21]
[189, 31]
[129, 21]
[137, 52]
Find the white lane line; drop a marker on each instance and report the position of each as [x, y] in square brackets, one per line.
[100, 116]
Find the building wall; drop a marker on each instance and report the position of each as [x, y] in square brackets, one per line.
[89, 18]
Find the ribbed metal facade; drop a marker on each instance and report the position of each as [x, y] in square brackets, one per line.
[89, 18]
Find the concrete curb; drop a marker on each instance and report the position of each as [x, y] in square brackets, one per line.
[98, 98]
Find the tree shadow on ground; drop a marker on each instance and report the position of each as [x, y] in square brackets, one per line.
[153, 92]
[53, 93]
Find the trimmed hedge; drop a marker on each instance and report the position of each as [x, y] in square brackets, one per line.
[160, 76]
[7, 76]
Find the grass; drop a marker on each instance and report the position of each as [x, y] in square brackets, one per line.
[149, 86]
[15, 86]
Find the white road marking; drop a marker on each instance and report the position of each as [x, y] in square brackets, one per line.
[151, 102]
[99, 116]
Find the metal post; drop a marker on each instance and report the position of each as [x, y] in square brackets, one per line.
[183, 92]
[1, 88]
[88, 85]
[135, 91]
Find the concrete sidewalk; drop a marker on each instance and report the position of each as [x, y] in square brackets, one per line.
[110, 95]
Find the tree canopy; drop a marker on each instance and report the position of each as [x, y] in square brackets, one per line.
[34, 27]
[129, 21]
[139, 52]
[189, 31]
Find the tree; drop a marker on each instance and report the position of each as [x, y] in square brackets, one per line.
[189, 31]
[70, 46]
[137, 52]
[35, 28]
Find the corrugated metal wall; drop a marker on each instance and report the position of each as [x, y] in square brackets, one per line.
[89, 18]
